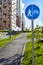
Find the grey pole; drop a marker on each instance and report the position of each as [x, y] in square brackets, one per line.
[32, 42]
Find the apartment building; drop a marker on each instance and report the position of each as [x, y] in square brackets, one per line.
[5, 14]
[22, 22]
[19, 14]
[10, 14]
[13, 19]
[16, 15]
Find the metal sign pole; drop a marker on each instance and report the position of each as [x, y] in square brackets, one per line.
[32, 42]
[32, 12]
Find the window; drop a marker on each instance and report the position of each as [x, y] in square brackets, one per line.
[9, 0]
[0, 13]
[4, 13]
[0, 8]
[0, 17]
[4, 9]
[4, 22]
[4, 16]
[4, 4]
[0, 0]
[0, 5]
[4, 0]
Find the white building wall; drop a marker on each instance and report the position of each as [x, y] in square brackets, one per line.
[16, 11]
[13, 22]
[19, 7]
[19, 13]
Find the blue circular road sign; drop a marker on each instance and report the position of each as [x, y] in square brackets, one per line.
[32, 12]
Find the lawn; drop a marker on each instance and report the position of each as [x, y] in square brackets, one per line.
[38, 51]
[29, 35]
[38, 54]
[5, 41]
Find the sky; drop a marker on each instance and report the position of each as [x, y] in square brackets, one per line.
[39, 20]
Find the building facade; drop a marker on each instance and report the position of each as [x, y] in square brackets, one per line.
[23, 22]
[10, 14]
[5, 14]
[19, 14]
[16, 15]
[13, 19]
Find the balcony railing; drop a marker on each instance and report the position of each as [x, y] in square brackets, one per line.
[9, 13]
[0, 1]
[0, 13]
[0, 17]
[4, 12]
[4, 19]
[4, 5]
[0, 5]
[0, 8]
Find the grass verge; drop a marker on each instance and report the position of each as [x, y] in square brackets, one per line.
[38, 54]
[5, 41]
[29, 35]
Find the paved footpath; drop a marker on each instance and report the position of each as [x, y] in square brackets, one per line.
[11, 54]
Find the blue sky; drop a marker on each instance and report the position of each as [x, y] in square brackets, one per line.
[39, 20]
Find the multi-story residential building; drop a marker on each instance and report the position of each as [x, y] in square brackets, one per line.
[16, 15]
[19, 14]
[13, 21]
[23, 22]
[10, 14]
[5, 14]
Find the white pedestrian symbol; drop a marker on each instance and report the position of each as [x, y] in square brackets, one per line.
[29, 13]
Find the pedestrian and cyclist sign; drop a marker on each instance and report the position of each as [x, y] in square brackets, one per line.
[32, 12]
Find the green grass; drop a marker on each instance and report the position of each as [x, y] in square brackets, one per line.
[29, 35]
[38, 51]
[5, 41]
[38, 54]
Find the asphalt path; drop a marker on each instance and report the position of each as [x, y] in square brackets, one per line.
[11, 54]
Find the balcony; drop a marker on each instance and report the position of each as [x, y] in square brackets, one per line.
[0, 9]
[9, 13]
[0, 13]
[0, 5]
[4, 9]
[0, 21]
[0, 17]
[4, 19]
[5, 1]
[9, 1]
[4, 13]
[0, 26]
[4, 5]
[0, 1]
